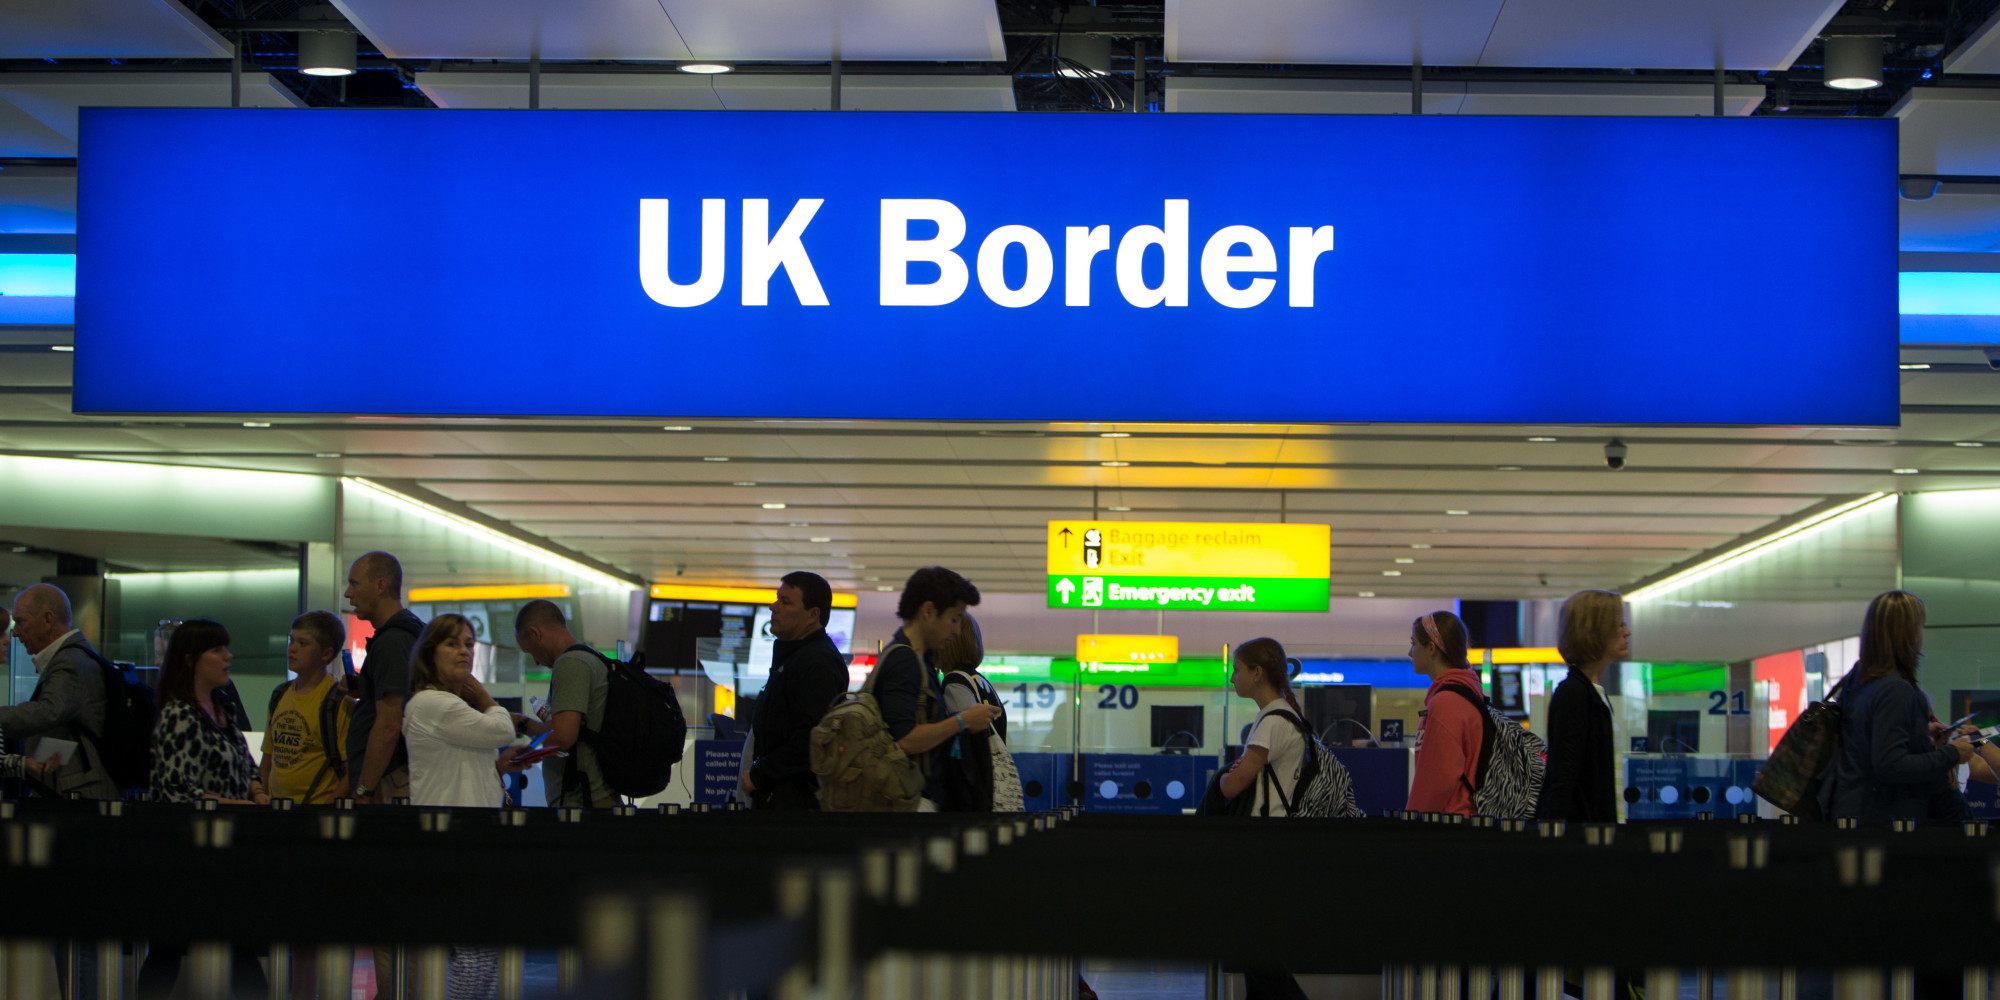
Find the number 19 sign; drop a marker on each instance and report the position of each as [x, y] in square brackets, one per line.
[1188, 566]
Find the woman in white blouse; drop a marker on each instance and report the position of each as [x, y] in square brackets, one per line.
[454, 730]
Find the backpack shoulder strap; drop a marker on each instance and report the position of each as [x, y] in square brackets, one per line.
[277, 695]
[869, 684]
[329, 729]
[1488, 732]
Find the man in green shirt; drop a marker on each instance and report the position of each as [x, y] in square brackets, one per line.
[578, 686]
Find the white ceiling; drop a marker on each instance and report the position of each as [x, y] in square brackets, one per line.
[1691, 34]
[78, 29]
[38, 111]
[682, 29]
[1980, 53]
[729, 92]
[1381, 97]
[890, 497]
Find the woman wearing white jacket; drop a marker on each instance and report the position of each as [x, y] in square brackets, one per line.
[456, 734]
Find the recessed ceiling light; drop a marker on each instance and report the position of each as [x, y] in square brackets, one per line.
[64, 348]
[1405, 559]
[256, 423]
[1904, 472]
[20, 548]
[744, 482]
[1541, 440]
[715, 458]
[799, 524]
[774, 506]
[1440, 531]
[886, 589]
[1365, 593]
[819, 539]
[1392, 572]
[1420, 545]
[1114, 465]
[677, 427]
[1120, 510]
[326, 454]
[1458, 513]
[705, 68]
[1114, 434]
[1968, 444]
[857, 566]
[1506, 468]
[1913, 368]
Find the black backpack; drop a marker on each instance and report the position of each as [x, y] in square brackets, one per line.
[329, 727]
[644, 731]
[131, 707]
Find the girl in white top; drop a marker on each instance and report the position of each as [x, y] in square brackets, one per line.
[453, 728]
[1261, 673]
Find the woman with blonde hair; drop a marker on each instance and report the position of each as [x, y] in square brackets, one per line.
[1580, 784]
[1889, 766]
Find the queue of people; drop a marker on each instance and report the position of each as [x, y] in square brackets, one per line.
[415, 723]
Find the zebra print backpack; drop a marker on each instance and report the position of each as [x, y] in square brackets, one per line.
[1324, 787]
[1512, 762]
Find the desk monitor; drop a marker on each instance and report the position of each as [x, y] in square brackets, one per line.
[1178, 726]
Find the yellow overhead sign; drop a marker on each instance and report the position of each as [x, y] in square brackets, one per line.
[1189, 549]
[730, 595]
[1128, 649]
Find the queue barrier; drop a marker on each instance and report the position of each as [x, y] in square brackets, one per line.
[686, 904]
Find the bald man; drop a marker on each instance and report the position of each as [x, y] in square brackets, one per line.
[68, 699]
[379, 763]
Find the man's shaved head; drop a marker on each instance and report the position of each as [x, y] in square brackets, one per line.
[381, 566]
[43, 598]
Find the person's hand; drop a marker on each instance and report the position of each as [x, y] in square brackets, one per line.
[749, 788]
[1964, 747]
[1938, 733]
[41, 771]
[507, 763]
[979, 718]
[344, 790]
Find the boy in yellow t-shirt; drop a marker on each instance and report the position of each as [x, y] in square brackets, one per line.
[302, 760]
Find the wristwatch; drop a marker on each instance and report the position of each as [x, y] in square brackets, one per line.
[363, 791]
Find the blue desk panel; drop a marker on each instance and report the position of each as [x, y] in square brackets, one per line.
[1161, 784]
[1381, 777]
[635, 263]
[1679, 787]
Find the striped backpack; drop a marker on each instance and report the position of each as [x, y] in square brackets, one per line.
[1324, 788]
[1512, 761]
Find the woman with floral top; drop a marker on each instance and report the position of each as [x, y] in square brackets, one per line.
[198, 753]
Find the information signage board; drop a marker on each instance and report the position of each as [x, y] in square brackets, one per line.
[1188, 566]
[1272, 268]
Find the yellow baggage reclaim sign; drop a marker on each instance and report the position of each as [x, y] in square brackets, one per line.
[1188, 566]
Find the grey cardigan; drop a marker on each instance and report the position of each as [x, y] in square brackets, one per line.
[70, 696]
[1887, 768]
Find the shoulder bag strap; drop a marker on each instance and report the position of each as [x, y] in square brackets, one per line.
[868, 684]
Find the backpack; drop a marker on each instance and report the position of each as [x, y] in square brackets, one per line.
[644, 733]
[329, 727]
[995, 781]
[1512, 762]
[1792, 777]
[131, 707]
[1324, 788]
[860, 767]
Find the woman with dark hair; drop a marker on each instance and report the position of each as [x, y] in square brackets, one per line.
[1580, 784]
[1888, 765]
[1454, 727]
[198, 751]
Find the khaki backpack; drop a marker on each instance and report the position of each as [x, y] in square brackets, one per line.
[860, 767]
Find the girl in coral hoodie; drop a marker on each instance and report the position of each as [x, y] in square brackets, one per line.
[1450, 738]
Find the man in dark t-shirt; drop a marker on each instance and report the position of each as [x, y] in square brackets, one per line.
[932, 606]
[807, 674]
[375, 739]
